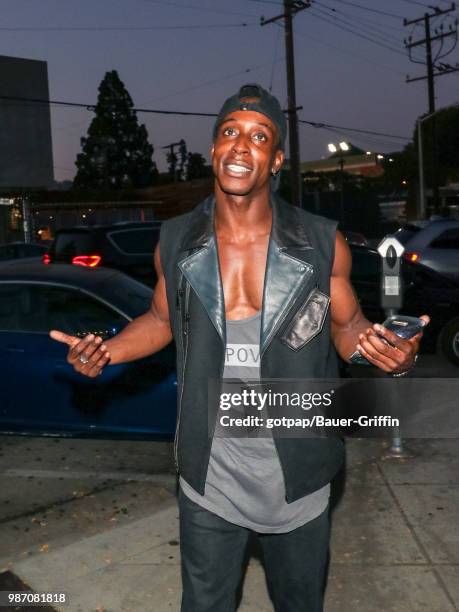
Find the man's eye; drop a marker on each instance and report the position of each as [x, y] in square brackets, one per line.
[260, 136]
[229, 131]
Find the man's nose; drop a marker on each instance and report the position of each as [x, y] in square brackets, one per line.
[240, 145]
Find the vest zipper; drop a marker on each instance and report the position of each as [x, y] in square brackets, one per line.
[184, 334]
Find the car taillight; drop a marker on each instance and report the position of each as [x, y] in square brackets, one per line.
[411, 256]
[46, 259]
[89, 261]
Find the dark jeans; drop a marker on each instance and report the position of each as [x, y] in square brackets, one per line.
[212, 551]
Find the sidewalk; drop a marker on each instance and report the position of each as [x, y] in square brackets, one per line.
[395, 545]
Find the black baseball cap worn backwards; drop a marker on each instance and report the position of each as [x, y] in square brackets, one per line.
[253, 97]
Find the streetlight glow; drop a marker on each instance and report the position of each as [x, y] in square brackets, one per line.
[344, 146]
[332, 148]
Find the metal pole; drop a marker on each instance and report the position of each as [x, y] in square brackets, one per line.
[431, 92]
[26, 219]
[422, 195]
[396, 448]
[292, 115]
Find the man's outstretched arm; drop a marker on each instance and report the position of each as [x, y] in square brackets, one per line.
[350, 329]
[143, 336]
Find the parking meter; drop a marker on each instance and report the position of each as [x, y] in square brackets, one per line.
[391, 250]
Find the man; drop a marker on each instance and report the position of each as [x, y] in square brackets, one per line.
[245, 269]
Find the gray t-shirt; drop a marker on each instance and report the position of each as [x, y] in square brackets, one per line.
[244, 483]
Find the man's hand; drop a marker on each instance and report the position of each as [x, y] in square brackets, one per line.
[142, 337]
[384, 349]
[88, 355]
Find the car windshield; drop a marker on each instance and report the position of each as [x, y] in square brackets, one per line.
[136, 240]
[72, 243]
[404, 234]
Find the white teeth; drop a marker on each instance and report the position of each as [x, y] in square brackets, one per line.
[236, 168]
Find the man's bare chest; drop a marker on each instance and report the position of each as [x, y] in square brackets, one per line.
[242, 268]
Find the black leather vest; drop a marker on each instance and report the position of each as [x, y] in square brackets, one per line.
[295, 331]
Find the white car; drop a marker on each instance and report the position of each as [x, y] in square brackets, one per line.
[435, 244]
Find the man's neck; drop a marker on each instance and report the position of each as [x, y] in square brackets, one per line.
[241, 218]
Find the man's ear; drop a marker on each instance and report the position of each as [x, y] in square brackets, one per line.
[278, 161]
[212, 149]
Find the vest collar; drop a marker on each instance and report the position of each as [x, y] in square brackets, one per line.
[287, 229]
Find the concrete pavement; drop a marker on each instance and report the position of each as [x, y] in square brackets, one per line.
[395, 545]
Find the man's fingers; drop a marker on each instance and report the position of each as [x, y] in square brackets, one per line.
[377, 358]
[84, 350]
[94, 369]
[64, 338]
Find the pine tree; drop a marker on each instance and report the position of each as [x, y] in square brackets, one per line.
[115, 153]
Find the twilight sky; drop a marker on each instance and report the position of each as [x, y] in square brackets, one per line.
[342, 78]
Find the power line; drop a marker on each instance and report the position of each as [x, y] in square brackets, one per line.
[349, 22]
[347, 52]
[358, 34]
[122, 28]
[416, 3]
[318, 124]
[202, 9]
[382, 26]
[371, 10]
[91, 107]
[214, 81]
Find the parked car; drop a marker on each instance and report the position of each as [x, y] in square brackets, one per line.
[21, 250]
[434, 244]
[127, 247]
[424, 292]
[40, 393]
[354, 237]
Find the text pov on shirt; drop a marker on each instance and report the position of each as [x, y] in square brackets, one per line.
[242, 355]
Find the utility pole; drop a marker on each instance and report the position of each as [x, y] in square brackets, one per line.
[433, 71]
[172, 157]
[291, 7]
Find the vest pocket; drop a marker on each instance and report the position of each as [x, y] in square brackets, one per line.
[308, 321]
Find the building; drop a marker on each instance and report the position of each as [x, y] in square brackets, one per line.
[26, 157]
[353, 160]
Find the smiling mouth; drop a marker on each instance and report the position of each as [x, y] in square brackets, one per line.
[237, 169]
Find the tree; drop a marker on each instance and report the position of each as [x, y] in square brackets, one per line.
[447, 142]
[196, 167]
[116, 153]
[172, 160]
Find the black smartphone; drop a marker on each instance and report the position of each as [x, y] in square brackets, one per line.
[404, 326]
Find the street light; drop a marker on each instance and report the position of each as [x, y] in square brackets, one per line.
[333, 148]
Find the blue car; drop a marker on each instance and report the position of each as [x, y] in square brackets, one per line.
[40, 393]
